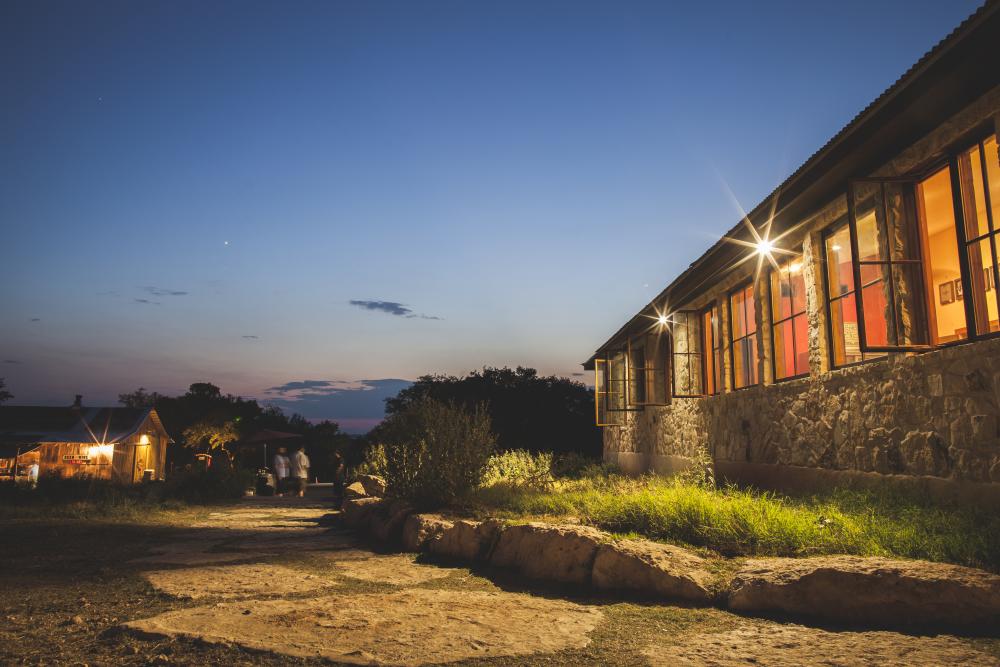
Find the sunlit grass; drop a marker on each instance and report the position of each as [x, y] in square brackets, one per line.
[734, 521]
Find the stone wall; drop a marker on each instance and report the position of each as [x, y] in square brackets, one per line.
[933, 414]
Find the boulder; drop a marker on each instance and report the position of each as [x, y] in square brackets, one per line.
[355, 490]
[550, 552]
[660, 570]
[386, 521]
[373, 485]
[873, 591]
[356, 511]
[418, 529]
[466, 540]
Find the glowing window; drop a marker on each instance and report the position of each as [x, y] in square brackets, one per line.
[743, 337]
[789, 325]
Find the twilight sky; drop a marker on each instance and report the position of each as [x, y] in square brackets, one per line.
[308, 202]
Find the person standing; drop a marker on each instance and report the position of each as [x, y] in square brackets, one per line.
[281, 466]
[300, 471]
[339, 476]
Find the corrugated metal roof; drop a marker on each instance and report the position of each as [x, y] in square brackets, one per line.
[906, 79]
[29, 424]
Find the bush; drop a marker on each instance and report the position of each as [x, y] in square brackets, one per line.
[520, 468]
[435, 452]
[373, 463]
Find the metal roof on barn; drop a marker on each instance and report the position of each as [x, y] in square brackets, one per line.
[28, 424]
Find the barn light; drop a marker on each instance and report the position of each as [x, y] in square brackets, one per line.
[765, 247]
[662, 320]
[143, 439]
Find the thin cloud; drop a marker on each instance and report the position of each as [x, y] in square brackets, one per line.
[357, 406]
[250, 337]
[11, 361]
[578, 375]
[147, 301]
[36, 319]
[392, 308]
[161, 291]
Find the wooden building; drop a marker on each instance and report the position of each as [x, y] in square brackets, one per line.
[126, 445]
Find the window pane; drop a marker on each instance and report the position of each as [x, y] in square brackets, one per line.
[982, 290]
[910, 322]
[993, 176]
[800, 326]
[936, 212]
[781, 292]
[797, 282]
[739, 319]
[970, 175]
[876, 305]
[869, 237]
[745, 362]
[901, 218]
[844, 329]
[616, 381]
[751, 308]
[637, 376]
[707, 329]
[839, 274]
[784, 350]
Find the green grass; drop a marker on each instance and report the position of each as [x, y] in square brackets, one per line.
[736, 522]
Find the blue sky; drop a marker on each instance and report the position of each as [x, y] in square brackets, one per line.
[257, 194]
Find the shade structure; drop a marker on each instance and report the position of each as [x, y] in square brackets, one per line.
[267, 435]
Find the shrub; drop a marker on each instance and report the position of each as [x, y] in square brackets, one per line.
[373, 463]
[520, 468]
[435, 452]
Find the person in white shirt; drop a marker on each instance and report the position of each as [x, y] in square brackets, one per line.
[300, 471]
[281, 466]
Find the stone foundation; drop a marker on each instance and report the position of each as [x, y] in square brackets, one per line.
[932, 415]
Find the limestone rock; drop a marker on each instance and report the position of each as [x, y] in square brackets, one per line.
[875, 591]
[550, 552]
[356, 511]
[418, 529]
[386, 521]
[355, 490]
[466, 540]
[656, 569]
[372, 484]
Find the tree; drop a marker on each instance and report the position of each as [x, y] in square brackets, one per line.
[527, 411]
[211, 434]
[4, 394]
[140, 398]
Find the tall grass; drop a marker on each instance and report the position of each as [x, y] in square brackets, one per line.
[735, 521]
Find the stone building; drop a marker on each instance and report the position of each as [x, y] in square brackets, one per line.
[848, 327]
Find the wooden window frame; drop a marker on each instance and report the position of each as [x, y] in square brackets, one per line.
[791, 318]
[909, 183]
[733, 339]
[689, 315]
[650, 373]
[716, 351]
[829, 298]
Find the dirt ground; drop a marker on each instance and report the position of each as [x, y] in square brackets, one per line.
[271, 582]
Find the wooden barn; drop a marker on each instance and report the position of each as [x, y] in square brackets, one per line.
[126, 445]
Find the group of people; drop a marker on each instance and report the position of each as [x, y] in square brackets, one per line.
[291, 473]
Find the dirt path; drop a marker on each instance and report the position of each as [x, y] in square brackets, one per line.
[276, 582]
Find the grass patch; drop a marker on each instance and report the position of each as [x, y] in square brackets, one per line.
[741, 522]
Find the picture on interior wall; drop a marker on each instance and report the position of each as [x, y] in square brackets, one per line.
[988, 275]
[947, 292]
[958, 289]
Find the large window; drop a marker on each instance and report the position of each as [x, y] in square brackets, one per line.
[743, 337]
[711, 335]
[942, 265]
[979, 184]
[887, 265]
[687, 354]
[648, 373]
[924, 259]
[841, 307]
[789, 324]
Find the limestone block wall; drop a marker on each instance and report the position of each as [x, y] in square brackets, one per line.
[934, 414]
